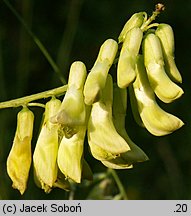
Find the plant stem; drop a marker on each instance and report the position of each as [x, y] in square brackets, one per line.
[119, 184]
[38, 43]
[158, 9]
[36, 104]
[27, 99]
[23, 61]
[67, 41]
[2, 78]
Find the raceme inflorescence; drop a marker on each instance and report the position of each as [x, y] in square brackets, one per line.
[94, 107]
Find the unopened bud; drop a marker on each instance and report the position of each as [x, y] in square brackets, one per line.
[166, 36]
[97, 77]
[127, 59]
[136, 20]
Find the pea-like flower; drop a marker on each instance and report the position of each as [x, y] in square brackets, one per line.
[70, 155]
[72, 110]
[104, 141]
[46, 150]
[19, 159]
[135, 154]
[165, 89]
[157, 121]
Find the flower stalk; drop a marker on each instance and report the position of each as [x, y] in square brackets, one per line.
[158, 9]
[27, 99]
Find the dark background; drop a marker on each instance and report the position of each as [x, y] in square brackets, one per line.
[74, 30]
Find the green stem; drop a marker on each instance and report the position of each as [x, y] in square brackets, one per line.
[158, 9]
[36, 105]
[69, 33]
[27, 99]
[38, 42]
[119, 184]
[23, 62]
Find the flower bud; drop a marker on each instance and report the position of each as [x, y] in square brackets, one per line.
[127, 59]
[19, 159]
[165, 89]
[136, 20]
[166, 36]
[77, 75]
[96, 79]
[46, 150]
[107, 51]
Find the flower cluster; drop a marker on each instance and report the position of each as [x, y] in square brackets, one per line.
[96, 106]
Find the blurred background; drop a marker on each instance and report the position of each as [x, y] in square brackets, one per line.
[74, 30]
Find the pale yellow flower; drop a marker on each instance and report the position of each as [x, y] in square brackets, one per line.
[19, 159]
